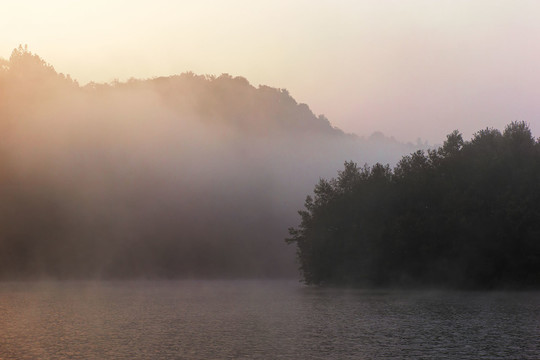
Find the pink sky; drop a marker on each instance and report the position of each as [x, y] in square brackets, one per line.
[407, 68]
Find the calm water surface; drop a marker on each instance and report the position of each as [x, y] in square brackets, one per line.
[261, 320]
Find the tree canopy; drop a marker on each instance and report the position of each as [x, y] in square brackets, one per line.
[464, 215]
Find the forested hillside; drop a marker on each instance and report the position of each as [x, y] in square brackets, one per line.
[186, 175]
[464, 215]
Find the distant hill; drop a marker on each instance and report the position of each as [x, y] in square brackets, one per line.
[179, 176]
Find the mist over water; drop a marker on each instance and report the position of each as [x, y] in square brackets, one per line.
[146, 218]
[177, 176]
[261, 320]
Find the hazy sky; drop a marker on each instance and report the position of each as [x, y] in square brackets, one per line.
[407, 68]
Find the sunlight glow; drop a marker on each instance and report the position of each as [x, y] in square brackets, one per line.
[409, 69]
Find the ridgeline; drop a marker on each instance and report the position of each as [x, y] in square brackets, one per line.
[179, 176]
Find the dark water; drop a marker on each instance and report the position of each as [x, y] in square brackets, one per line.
[261, 320]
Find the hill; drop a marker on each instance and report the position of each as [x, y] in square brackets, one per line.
[185, 175]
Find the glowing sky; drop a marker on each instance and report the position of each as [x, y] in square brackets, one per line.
[407, 68]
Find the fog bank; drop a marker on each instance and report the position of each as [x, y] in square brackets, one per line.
[187, 175]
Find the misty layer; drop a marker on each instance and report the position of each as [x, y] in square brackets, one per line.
[176, 176]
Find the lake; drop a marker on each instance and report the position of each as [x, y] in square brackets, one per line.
[261, 320]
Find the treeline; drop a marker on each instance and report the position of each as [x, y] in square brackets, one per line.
[464, 215]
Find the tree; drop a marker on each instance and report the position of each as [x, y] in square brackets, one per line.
[466, 215]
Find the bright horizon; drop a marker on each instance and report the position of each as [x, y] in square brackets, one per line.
[409, 69]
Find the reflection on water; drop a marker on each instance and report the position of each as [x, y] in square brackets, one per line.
[260, 320]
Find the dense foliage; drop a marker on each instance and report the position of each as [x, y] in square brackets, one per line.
[464, 215]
